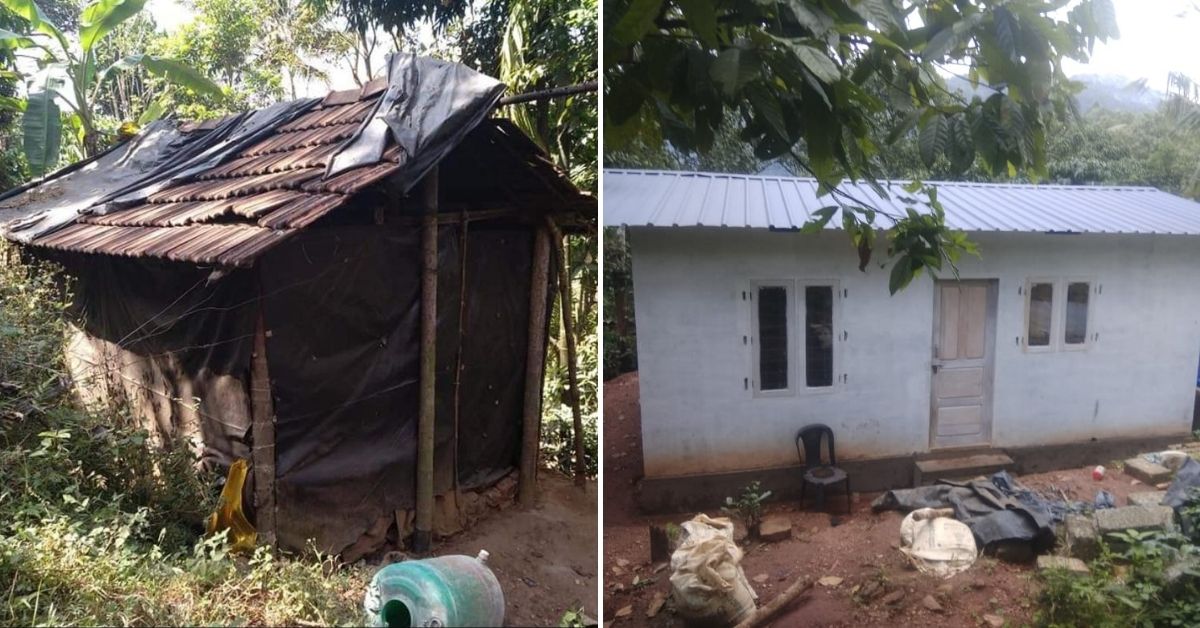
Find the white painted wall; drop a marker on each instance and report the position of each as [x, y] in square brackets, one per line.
[1137, 380]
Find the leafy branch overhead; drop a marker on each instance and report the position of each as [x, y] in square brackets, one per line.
[68, 74]
[832, 83]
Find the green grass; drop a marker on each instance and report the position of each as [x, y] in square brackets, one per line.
[97, 528]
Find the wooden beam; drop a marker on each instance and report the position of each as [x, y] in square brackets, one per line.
[423, 533]
[535, 361]
[262, 414]
[564, 299]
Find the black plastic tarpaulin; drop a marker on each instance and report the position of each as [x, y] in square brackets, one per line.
[997, 510]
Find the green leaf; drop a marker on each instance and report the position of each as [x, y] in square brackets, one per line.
[175, 72]
[902, 274]
[960, 147]
[932, 140]
[731, 70]
[767, 106]
[818, 63]
[154, 111]
[102, 16]
[638, 19]
[819, 219]
[33, 14]
[10, 39]
[939, 45]
[702, 17]
[1007, 31]
[41, 127]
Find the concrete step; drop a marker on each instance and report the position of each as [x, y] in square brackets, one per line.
[962, 466]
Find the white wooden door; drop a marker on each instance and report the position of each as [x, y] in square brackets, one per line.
[963, 344]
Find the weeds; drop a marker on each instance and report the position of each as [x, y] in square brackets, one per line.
[748, 506]
[96, 527]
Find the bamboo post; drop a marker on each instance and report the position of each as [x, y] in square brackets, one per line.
[535, 360]
[564, 296]
[423, 534]
[263, 432]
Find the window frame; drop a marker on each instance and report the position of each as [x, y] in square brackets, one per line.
[1089, 332]
[797, 333]
[835, 324]
[789, 285]
[1055, 305]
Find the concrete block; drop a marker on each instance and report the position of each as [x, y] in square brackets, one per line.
[1147, 498]
[1079, 533]
[1073, 565]
[1141, 518]
[775, 528]
[1146, 471]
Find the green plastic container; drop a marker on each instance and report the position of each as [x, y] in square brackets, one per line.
[442, 591]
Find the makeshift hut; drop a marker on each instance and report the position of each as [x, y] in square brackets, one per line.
[351, 292]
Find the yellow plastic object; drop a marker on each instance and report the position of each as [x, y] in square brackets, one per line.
[229, 515]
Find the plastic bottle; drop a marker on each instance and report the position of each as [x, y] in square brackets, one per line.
[443, 591]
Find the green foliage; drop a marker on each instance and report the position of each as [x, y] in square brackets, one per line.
[832, 83]
[574, 618]
[70, 72]
[1153, 581]
[96, 527]
[558, 449]
[748, 506]
[620, 335]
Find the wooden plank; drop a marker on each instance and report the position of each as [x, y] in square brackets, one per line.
[535, 361]
[263, 433]
[972, 321]
[423, 532]
[948, 325]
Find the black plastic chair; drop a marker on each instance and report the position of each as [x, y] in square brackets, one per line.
[817, 472]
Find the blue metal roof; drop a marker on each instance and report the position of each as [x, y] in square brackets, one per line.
[689, 199]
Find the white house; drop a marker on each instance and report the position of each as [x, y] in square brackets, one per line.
[1076, 334]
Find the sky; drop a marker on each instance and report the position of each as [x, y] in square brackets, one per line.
[1157, 37]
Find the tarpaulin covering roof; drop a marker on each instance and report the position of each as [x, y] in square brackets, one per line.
[690, 199]
[225, 191]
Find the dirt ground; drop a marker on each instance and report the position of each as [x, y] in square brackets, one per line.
[544, 557]
[878, 588]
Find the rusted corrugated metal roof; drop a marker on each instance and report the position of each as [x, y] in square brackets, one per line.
[689, 199]
[233, 212]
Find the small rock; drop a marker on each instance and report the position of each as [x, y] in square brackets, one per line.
[621, 562]
[761, 578]
[829, 581]
[870, 590]
[656, 604]
[931, 603]
[775, 528]
[995, 621]
[529, 582]
[1074, 565]
[1139, 518]
[894, 597]
[617, 571]
[945, 589]
[625, 611]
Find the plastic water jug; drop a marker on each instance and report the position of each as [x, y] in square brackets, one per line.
[442, 591]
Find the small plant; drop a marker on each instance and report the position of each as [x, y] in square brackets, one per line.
[1189, 514]
[573, 618]
[748, 507]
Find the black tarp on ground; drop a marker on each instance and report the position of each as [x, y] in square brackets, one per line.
[342, 307]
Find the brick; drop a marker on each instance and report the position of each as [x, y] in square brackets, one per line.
[1147, 471]
[1141, 518]
[1074, 565]
[1079, 533]
[775, 528]
[1147, 498]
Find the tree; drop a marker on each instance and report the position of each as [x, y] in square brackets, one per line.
[69, 72]
[813, 79]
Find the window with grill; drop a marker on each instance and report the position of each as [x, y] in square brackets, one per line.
[1040, 314]
[772, 338]
[1076, 327]
[818, 336]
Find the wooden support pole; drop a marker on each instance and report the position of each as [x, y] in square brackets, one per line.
[423, 533]
[564, 297]
[535, 360]
[262, 455]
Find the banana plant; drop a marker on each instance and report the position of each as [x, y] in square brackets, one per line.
[68, 75]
